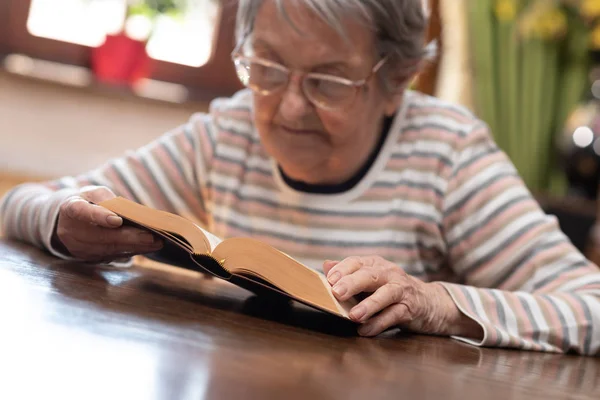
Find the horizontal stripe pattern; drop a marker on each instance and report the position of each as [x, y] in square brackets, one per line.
[447, 205]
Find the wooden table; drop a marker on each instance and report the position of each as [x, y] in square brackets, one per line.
[76, 331]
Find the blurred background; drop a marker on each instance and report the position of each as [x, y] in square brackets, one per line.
[82, 81]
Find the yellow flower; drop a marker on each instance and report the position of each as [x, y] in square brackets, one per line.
[505, 10]
[590, 8]
[595, 37]
[548, 25]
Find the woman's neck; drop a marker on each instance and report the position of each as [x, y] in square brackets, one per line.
[348, 184]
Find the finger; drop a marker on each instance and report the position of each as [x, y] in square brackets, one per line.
[362, 280]
[327, 265]
[396, 314]
[382, 298]
[81, 210]
[343, 268]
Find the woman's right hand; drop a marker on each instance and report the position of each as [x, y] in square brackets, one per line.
[92, 233]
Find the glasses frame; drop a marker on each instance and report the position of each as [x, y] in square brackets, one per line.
[238, 58]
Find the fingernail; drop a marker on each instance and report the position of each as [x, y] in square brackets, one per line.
[340, 289]
[357, 313]
[365, 330]
[333, 278]
[114, 220]
[146, 238]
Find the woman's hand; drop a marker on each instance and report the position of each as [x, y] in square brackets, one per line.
[92, 233]
[396, 299]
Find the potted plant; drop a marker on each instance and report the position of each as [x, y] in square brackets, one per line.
[531, 64]
[122, 58]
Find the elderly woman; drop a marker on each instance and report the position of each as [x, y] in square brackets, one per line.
[328, 156]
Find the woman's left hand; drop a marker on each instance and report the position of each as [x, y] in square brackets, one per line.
[396, 299]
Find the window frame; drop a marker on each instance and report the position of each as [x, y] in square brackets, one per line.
[426, 81]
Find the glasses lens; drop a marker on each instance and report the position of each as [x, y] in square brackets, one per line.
[259, 76]
[328, 93]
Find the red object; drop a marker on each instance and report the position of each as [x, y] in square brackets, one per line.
[120, 60]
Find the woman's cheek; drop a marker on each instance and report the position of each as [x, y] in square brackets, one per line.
[265, 109]
[336, 123]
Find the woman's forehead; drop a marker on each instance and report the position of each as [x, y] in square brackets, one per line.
[303, 35]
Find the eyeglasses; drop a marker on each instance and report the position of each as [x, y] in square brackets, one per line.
[325, 91]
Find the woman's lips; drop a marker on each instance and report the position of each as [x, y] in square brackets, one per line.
[300, 131]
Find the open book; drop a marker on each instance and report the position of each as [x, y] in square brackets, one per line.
[245, 262]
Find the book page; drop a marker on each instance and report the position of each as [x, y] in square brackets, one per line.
[214, 240]
[245, 255]
[171, 224]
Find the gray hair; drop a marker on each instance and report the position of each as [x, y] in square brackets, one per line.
[400, 27]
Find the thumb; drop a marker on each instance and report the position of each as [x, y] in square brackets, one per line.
[96, 194]
[101, 215]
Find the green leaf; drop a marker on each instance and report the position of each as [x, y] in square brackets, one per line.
[482, 27]
[141, 9]
[153, 8]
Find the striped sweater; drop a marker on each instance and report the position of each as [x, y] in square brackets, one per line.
[441, 201]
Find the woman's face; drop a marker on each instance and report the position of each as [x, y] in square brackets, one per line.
[311, 144]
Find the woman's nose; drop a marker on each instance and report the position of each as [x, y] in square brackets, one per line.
[294, 104]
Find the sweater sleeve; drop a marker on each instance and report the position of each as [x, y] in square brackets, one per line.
[519, 276]
[168, 174]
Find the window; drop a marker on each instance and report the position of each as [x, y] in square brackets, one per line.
[83, 22]
[191, 50]
[86, 22]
